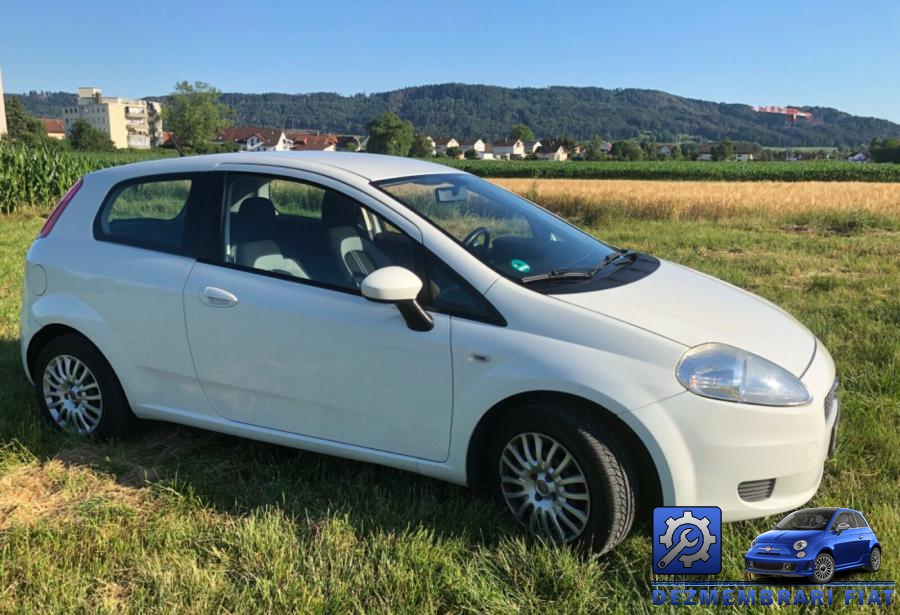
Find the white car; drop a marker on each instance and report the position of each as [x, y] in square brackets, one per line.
[404, 313]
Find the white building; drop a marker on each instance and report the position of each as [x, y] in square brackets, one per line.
[442, 144]
[553, 151]
[2, 109]
[477, 145]
[509, 148]
[255, 139]
[129, 123]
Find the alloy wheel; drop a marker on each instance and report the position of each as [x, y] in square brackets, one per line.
[544, 487]
[72, 394]
[875, 559]
[823, 568]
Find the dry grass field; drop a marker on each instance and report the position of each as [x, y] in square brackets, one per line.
[648, 199]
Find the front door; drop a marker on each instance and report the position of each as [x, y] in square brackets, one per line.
[849, 549]
[282, 338]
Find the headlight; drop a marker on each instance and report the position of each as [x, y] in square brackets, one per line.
[724, 372]
[799, 545]
[752, 543]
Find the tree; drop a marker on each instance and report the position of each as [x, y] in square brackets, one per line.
[594, 149]
[85, 137]
[389, 134]
[453, 152]
[626, 150]
[22, 126]
[885, 150]
[471, 154]
[650, 148]
[422, 147]
[521, 131]
[724, 150]
[193, 112]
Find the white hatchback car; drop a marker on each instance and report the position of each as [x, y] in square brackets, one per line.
[404, 313]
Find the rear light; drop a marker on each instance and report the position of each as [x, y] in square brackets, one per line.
[57, 211]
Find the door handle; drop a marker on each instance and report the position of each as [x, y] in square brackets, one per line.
[861, 537]
[216, 297]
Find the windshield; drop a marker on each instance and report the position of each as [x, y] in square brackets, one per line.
[505, 231]
[809, 519]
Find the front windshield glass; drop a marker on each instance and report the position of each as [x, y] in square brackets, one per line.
[809, 519]
[505, 231]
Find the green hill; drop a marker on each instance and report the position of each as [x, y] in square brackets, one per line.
[462, 110]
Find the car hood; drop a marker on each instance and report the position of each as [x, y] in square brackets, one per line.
[782, 537]
[693, 308]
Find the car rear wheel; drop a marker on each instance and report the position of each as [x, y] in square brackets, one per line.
[874, 560]
[823, 568]
[562, 476]
[77, 390]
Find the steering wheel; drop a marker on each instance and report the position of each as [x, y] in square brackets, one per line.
[481, 231]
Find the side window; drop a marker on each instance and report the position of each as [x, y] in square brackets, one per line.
[860, 522]
[449, 292]
[843, 517]
[151, 213]
[309, 232]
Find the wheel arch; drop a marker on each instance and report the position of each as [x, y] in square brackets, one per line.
[47, 334]
[648, 476]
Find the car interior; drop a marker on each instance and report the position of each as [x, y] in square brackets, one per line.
[339, 243]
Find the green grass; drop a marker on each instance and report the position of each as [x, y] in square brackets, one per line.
[818, 170]
[179, 520]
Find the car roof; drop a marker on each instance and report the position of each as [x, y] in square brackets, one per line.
[371, 167]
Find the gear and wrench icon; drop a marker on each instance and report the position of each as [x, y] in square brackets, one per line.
[674, 549]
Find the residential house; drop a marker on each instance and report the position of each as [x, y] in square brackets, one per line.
[858, 157]
[302, 141]
[705, 151]
[553, 150]
[744, 152]
[488, 153]
[666, 149]
[255, 139]
[55, 129]
[128, 123]
[477, 145]
[442, 144]
[349, 142]
[509, 148]
[531, 147]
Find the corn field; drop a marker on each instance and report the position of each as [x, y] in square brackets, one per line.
[39, 176]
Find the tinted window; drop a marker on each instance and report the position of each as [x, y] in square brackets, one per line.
[151, 213]
[450, 293]
[860, 522]
[806, 519]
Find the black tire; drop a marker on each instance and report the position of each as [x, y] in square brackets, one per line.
[116, 418]
[821, 579]
[603, 463]
[874, 560]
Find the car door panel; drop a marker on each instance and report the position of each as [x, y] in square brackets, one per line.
[300, 358]
[849, 549]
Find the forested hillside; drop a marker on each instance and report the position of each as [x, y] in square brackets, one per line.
[488, 111]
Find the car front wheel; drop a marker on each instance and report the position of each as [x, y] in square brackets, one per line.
[562, 476]
[823, 568]
[78, 391]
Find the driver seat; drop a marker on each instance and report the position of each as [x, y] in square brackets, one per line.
[356, 253]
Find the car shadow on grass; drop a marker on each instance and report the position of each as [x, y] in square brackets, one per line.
[236, 476]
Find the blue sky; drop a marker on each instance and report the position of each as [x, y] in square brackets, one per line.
[839, 54]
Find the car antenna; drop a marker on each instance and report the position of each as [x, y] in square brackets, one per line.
[177, 146]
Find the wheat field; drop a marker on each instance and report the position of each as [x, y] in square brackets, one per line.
[708, 199]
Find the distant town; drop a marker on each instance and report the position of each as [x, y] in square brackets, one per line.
[139, 125]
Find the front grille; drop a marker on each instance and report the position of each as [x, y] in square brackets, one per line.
[756, 490]
[830, 400]
[772, 566]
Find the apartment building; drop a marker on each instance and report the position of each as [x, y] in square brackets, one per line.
[129, 123]
[2, 109]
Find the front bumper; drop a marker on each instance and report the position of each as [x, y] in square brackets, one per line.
[787, 564]
[705, 448]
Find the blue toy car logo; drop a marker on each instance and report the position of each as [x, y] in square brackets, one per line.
[815, 543]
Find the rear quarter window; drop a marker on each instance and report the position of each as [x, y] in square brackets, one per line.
[155, 213]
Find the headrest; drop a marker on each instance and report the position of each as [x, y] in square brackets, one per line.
[339, 210]
[256, 210]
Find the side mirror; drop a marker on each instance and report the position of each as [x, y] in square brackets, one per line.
[401, 287]
[841, 527]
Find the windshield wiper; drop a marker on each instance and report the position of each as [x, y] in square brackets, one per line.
[559, 274]
[609, 259]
